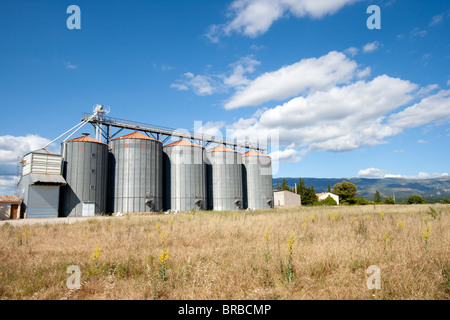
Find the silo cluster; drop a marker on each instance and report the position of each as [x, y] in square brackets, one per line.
[135, 174]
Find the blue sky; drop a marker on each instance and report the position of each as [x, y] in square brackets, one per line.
[344, 100]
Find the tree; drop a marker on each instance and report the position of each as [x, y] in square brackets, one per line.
[307, 194]
[446, 201]
[415, 199]
[328, 201]
[329, 188]
[377, 198]
[284, 185]
[389, 200]
[346, 191]
[361, 201]
[309, 197]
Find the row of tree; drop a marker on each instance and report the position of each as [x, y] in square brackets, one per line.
[347, 192]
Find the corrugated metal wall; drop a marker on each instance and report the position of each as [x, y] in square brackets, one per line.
[42, 202]
[135, 176]
[257, 181]
[185, 178]
[85, 171]
[224, 170]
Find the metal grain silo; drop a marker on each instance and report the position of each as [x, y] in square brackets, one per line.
[85, 171]
[135, 174]
[184, 176]
[224, 179]
[257, 180]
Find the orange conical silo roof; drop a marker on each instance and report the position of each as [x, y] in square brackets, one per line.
[85, 139]
[183, 142]
[222, 149]
[253, 153]
[135, 135]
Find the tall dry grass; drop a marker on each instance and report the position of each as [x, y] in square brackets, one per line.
[229, 255]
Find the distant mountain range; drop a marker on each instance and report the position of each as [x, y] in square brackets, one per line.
[431, 189]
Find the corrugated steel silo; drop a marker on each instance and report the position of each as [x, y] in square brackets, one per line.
[257, 180]
[185, 176]
[224, 179]
[85, 171]
[135, 174]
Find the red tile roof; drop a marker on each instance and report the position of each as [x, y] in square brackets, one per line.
[10, 199]
[183, 142]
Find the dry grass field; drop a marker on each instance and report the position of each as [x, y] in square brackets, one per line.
[301, 253]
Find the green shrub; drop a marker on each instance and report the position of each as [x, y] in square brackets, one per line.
[329, 201]
[389, 200]
[415, 199]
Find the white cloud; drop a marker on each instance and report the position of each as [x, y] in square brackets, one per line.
[371, 173]
[287, 155]
[379, 173]
[364, 73]
[422, 141]
[7, 185]
[437, 19]
[352, 51]
[338, 119]
[240, 68]
[371, 47]
[307, 74]
[12, 147]
[330, 108]
[204, 85]
[435, 107]
[448, 82]
[417, 33]
[254, 17]
[69, 65]
[211, 128]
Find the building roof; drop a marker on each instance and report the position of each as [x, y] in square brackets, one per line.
[10, 199]
[285, 191]
[222, 149]
[135, 135]
[324, 193]
[47, 178]
[183, 142]
[253, 153]
[45, 151]
[85, 139]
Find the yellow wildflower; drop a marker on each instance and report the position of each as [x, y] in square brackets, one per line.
[96, 254]
[164, 256]
[163, 237]
[291, 242]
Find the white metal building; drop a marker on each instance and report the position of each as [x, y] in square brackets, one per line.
[324, 195]
[39, 184]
